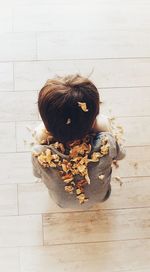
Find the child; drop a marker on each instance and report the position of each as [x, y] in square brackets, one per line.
[75, 149]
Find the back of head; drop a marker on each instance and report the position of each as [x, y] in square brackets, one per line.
[61, 107]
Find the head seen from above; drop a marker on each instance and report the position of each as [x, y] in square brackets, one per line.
[68, 107]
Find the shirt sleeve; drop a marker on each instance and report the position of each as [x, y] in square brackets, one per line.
[36, 171]
[116, 151]
[120, 152]
[102, 124]
[35, 165]
[39, 133]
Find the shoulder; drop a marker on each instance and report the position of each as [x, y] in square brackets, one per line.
[100, 136]
[98, 142]
[37, 149]
[41, 135]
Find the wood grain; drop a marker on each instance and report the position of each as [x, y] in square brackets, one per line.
[136, 163]
[16, 168]
[18, 106]
[136, 130]
[6, 76]
[113, 43]
[9, 259]
[8, 199]
[20, 230]
[121, 102]
[106, 73]
[92, 226]
[134, 193]
[24, 136]
[107, 41]
[7, 137]
[17, 46]
[110, 256]
[103, 15]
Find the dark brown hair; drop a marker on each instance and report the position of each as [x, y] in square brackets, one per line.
[59, 109]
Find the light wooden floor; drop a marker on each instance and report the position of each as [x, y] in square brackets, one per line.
[111, 40]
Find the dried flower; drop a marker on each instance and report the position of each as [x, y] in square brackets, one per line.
[69, 188]
[101, 177]
[104, 149]
[59, 147]
[83, 106]
[78, 191]
[117, 178]
[68, 121]
[77, 164]
[82, 198]
[115, 163]
[87, 178]
[67, 178]
[95, 156]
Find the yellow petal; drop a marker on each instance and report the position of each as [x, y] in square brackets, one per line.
[101, 177]
[83, 106]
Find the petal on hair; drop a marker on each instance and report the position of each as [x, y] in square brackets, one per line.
[68, 121]
[83, 106]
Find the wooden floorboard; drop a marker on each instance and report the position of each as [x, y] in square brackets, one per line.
[131, 255]
[134, 193]
[108, 41]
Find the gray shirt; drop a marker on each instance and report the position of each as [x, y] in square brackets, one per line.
[98, 190]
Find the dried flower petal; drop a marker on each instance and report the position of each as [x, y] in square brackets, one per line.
[56, 145]
[59, 147]
[64, 167]
[82, 198]
[67, 178]
[77, 164]
[68, 121]
[83, 106]
[48, 155]
[55, 157]
[52, 164]
[81, 183]
[115, 163]
[45, 158]
[117, 178]
[101, 177]
[104, 149]
[95, 156]
[35, 154]
[87, 178]
[73, 143]
[79, 150]
[78, 191]
[81, 168]
[69, 188]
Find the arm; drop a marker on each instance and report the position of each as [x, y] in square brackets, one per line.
[36, 171]
[120, 152]
[102, 124]
[36, 149]
[116, 150]
[41, 135]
